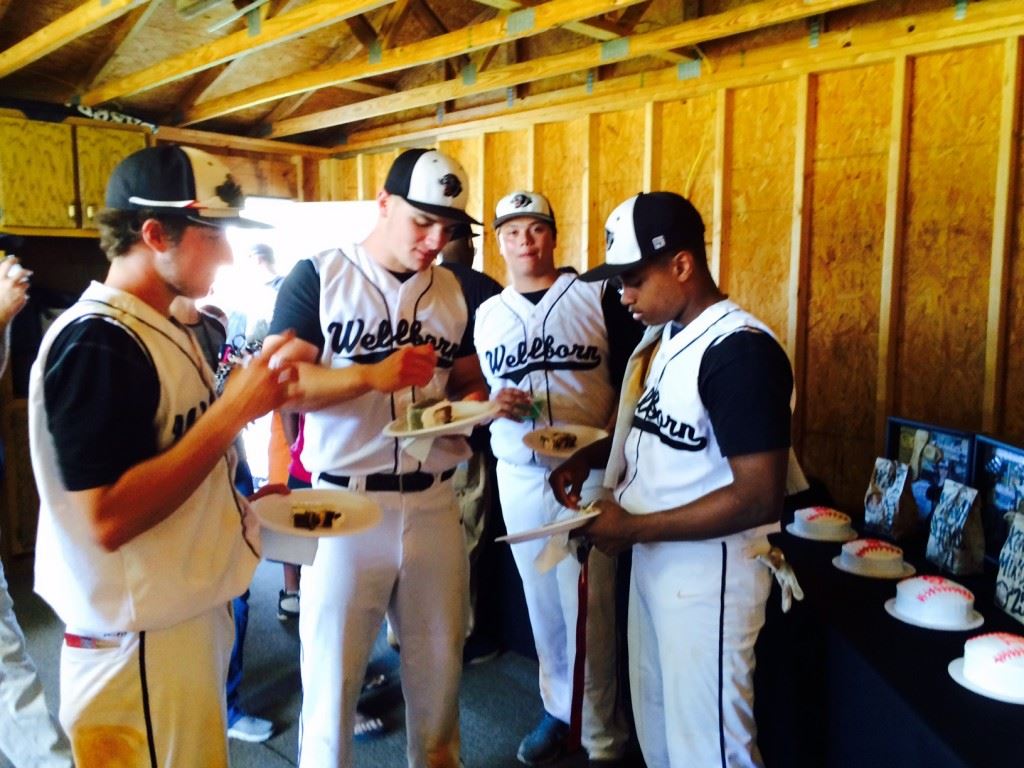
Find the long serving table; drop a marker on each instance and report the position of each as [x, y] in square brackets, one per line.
[841, 684]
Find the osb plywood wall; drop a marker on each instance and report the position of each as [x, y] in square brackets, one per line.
[869, 213]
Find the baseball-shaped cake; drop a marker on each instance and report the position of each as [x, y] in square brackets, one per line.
[821, 524]
[934, 602]
[992, 665]
[873, 557]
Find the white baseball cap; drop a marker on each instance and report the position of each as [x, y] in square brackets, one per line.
[522, 203]
[645, 226]
[431, 181]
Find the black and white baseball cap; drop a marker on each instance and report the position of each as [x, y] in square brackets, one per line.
[431, 181]
[178, 181]
[522, 203]
[644, 227]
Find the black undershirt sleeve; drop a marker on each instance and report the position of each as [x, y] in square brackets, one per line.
[101, 392]
[298, 305]
[746, 382]
[623, 334]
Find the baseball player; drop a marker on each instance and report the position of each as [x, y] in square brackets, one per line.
[698, 465]
[142, 539]
[378, 326]
[550, 338]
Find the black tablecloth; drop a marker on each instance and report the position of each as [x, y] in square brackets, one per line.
[842, 683]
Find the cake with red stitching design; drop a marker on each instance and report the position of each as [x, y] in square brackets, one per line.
[935, 601]
[821, 522]
[872, 557]
[995, 662]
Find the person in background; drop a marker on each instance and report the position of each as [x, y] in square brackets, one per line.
[552, 340]
[474, 480]
[698, 463]
[29, 734]
[207, 325]
[143, 540]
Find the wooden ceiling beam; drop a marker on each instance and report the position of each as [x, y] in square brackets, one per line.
[127, 28]
[742, 19]
[397, 15]
[552, 14]
[872, 43]
[307, 18]
[207, 78]
[362, 30]
[84, 19]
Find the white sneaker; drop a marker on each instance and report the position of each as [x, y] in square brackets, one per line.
[249, 728]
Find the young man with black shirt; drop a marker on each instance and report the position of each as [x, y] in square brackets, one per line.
[698, 463]
[143, 541]
[551, 339]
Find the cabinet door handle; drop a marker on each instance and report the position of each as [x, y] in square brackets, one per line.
[90, 212]
[71, 210]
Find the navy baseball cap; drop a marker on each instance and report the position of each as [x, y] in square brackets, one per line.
[430, 181]
[178, 181]
[646, 226]
[522, 203]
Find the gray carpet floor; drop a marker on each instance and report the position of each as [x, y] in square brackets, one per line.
[499, 702]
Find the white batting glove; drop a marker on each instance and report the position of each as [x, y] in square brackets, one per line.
[775, 561]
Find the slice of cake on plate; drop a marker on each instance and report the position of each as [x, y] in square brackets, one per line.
[431, 412]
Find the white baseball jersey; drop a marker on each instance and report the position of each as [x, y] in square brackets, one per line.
[556, 349]
[196, 558]
[366, 313]
[671, 452]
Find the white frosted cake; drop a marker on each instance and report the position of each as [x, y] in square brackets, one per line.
[995, 663]
[872, 557]
[935, 601]
[821, 523]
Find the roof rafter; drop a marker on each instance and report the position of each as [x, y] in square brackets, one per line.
[84, 19]
[127, 28]
[312, 16]
[465, 40]
[744, 18]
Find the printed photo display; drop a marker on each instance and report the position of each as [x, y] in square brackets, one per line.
[999, 478]
[933, 454]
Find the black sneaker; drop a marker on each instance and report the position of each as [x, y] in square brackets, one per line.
[287, 605]
[545, 743]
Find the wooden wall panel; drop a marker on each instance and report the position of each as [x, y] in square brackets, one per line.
[688, 152]
[1012, 422]
[944, 288]
[619, 159]
[560, 174]
[755, 267]
[469, 152]
[847, 165]
[507, 165]
[375, 172]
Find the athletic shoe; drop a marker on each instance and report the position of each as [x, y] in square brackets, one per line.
[545, 743]
[367, 728]
[249, 728]
[287, 605]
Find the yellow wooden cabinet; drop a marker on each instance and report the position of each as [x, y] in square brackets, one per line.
[53, 175]
[37, 174]
[98, 150]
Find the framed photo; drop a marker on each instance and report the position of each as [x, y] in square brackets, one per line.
[999, 478]
[933, 453]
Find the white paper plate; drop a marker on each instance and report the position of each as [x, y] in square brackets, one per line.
[975, 621]
[559, 526]
[359, 512]
[465, 414]
[848, 535]
[908, 570]
[956, 671]
[584, 436]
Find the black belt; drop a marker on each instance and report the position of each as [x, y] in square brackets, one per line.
[410, 482]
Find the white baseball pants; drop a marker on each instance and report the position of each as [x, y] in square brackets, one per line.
[552, 601]
[695, 610]
[413, 567]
